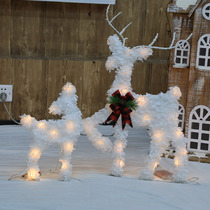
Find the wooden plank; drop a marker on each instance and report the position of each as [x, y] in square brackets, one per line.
[62, 30]
[6, 78]
[27, 31]
[5, 20]
[29, 88]
[96, 82]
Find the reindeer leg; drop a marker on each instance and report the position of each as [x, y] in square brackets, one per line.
[90, 124]
[180, 160]
[33, 171]
[158, 145]
[66, 168]
[118, 153]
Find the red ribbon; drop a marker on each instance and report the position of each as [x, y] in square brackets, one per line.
[120, 109]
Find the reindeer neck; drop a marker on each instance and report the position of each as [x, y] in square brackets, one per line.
[122, 80]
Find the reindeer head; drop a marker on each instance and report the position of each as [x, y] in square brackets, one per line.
[125, 56]
[65, 101]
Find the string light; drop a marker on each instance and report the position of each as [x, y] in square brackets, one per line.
[35, 153]
[65, 165]
[53, 109]
[54, 134]
[70, 126]
[120, 163]
[155, 165]
[176, 92]
[119, 147]
[68, 147]
[141, 100]
[32, 174]
[124, 91]
[179, 133]
[146, 118]
[67, 88]
[41, 125]
[158, 135]
[27, 120]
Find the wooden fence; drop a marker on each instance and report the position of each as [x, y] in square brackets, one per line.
[44, 45]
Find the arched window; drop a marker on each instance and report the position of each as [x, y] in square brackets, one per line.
[206, 11]
[199, 129]
[181, 116]
[182, 54]
[203, 52]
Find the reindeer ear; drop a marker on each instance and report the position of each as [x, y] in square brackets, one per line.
[114, 41]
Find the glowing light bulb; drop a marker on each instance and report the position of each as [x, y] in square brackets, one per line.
[110, 63]
[179, 133]
[146, 118]
[141, 100]
[99, 143]
[54, 133]
[67, 88]
[176, 92]
[35, 153]
[158, 135]
[120, 163]
[68, 147]
[70, 126]
[32, 174]
[41, 125]
[155, 165]
[124, 91]
[176, 162]
[119, 147]
[65, 165]
[27, 120]
[53, 109]
[183, 152]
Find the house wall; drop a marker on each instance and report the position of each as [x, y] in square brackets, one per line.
[199, 80]
[44, 45]
[182, 26]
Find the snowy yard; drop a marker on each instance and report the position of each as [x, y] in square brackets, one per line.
[91, 188]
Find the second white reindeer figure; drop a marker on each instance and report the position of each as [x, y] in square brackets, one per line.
[157, 112]
[64, 132]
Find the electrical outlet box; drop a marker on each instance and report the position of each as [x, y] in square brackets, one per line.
[8, 90]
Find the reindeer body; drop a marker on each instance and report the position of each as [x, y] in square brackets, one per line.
[157, 112]
[64, 132]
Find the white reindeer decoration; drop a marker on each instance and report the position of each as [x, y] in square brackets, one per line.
[64, 132]
[158, 112]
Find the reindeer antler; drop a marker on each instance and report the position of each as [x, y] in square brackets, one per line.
[110, 23]
[166, 48]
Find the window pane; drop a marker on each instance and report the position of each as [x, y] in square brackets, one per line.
[206, 127]
[184, 61]
[205, 136]
[193, 145]
[185, 53]
[202, 51]
[178, 52]
[204, 146]
[194, 135]
[201, 62]
[195, 126]
[178, 60]
[208, 64]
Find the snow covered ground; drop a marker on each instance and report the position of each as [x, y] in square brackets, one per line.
[91, 188]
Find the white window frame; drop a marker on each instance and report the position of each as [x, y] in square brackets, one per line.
[182, 46]
[196, 128]
[182, 116]
[206, 11]
[205, 45]
[82, 1]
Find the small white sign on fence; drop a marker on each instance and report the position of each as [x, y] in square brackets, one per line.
[82, 1]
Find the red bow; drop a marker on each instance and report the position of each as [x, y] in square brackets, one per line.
[120, 109]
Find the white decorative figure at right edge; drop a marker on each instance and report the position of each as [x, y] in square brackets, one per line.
[157, 112]
[64, 132]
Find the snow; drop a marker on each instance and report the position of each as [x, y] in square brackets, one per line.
[184, 4]
[91, 188]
